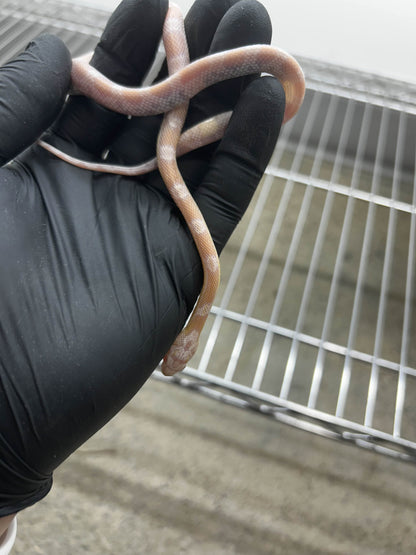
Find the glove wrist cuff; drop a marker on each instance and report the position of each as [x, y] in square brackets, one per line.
[9, 538]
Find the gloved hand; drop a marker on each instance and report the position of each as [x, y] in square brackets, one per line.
[99, 272]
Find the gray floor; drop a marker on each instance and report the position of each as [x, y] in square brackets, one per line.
[178, 473]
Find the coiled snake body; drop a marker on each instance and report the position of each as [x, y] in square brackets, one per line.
[171, 97]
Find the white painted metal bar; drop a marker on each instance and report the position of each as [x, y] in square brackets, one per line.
[313, 341]
[368, 232]
[236, 271]
[402, 102]
[242, 253]
[238, 345]
[344, 190]
[72, 18]
[265, 351]
[14, 33]
[268, 183]
[348, 429]
[319, 364]
[385, 281]
[302, 217]
[410, 283]
[265, 260]
[346, 374]
[290, 365]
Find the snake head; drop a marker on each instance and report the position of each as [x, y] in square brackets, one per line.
[181, 351]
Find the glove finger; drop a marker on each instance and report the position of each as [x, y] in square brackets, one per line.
[211, 26]
[201, 24]
[241, 157]
[33, 88]
[124, 54]
[246, 22]
[136, 141]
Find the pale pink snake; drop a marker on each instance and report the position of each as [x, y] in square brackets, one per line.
[171, 97]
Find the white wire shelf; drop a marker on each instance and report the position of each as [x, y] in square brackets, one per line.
[315, 319]
[317, 311]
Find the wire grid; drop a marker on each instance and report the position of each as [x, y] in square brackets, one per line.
[315, 316]
[21, 21]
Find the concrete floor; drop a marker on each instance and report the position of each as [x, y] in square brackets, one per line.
[175, 472]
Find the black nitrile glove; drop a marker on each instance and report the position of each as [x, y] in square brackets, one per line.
[99, 272]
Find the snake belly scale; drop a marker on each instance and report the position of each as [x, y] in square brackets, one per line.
[171, 97]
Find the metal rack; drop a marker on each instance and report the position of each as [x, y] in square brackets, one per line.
[321, 334]
[315, 318]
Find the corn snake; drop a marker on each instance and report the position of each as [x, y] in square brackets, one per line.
[171, 97]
